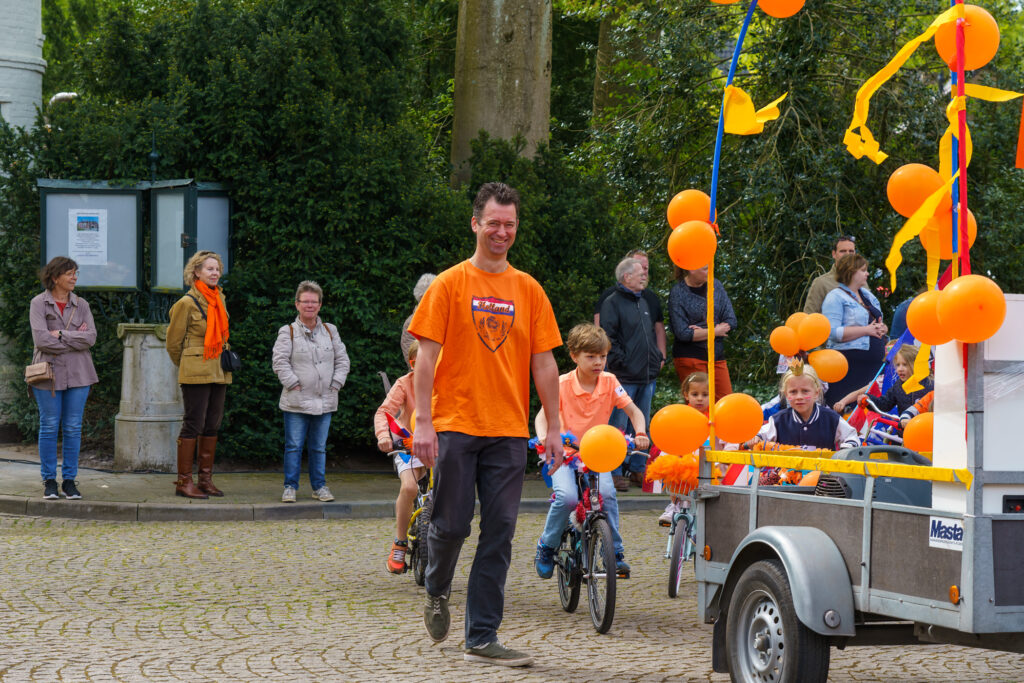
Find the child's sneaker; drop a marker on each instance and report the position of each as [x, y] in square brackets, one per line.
[668, 515]
[622, 567]
[50, 489]
[396, 558]
[544, 561]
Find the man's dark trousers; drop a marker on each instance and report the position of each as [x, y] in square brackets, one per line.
[492, 467]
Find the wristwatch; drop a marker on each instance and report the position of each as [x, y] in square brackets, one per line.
[60, 334]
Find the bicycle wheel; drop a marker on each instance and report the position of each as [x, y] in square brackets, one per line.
[677, 556]
[568, 574]
[419, 552]
[600, 575]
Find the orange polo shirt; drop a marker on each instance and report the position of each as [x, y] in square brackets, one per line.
[580, 410]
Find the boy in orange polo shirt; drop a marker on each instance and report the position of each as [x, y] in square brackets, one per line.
[586, 397]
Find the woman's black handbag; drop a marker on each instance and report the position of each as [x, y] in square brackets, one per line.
[229, 360]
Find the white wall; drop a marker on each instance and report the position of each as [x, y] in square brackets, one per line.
[21, 61]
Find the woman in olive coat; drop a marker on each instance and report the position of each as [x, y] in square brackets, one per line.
[196, 336]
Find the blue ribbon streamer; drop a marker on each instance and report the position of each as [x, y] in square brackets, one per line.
[721, 114]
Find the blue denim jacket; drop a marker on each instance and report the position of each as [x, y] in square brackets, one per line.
[843, 310]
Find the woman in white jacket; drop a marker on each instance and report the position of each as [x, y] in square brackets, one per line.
[312, 364]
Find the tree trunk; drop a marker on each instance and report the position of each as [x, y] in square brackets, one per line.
[502, 75]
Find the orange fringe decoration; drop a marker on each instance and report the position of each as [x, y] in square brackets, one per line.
[677, 472]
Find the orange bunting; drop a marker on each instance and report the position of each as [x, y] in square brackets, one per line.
[677, 472]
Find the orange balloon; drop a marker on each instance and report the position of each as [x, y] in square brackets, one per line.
[981, 39]
[689, 205]
[923, 319]
[603, 448]
[917, 435]
[738, 418]
[972, 308]
[810, 479]
[910, 185]
[938, 233]
[679, 429]
[784, 340]
[692, 245]
[793, 321]
[830, 365]
[814, 331]
[780, 9]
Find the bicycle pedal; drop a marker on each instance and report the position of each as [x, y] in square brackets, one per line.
[664, 524]
[622, 575]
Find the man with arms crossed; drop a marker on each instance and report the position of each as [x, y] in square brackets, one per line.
[483, 327]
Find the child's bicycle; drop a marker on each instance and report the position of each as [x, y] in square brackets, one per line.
[879, 427]
[682, 542]
[416, 556]
[586, 553]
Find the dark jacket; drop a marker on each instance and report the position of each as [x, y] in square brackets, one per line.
[687, 308]
[629, 321]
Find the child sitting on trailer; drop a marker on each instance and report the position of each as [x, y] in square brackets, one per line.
[895, 397]
[806, 422]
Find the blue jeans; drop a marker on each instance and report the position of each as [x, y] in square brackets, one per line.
[311, 430]
[563, 481]
[641, 395]
[62, 412]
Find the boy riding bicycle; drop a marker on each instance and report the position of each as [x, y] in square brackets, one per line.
[400, 405]
[586, 397]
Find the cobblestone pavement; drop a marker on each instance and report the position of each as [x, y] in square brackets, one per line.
[310, 601]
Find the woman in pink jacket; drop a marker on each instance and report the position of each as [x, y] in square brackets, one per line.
[63, 331]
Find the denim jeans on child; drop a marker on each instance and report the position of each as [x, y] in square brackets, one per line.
[312, 430]
[61, 412]
[563, 481]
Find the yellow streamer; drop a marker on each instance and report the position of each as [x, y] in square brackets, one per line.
[740, 117]
[922, 369]
[864, 144]
[867, 468]
[912, 228]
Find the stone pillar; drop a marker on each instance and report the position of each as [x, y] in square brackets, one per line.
[146, 426]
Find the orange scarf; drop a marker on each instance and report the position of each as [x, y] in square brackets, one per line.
[216, 321]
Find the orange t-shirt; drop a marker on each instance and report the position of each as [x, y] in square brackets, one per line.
[580, 410]
[489, 326]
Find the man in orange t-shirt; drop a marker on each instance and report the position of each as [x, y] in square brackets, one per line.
[495, 325]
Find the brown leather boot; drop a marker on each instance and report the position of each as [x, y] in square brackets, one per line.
[207, 447]
[186, 455]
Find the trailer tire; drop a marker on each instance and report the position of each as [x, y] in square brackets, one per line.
[764, 639]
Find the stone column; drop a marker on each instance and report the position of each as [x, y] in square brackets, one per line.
[146, 426]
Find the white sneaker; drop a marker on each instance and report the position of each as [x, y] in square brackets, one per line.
[666, 517]
[323, 494]
[289, 495]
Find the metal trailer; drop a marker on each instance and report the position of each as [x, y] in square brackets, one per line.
[784, 574]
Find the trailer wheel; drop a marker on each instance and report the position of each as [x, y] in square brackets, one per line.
[765, 641]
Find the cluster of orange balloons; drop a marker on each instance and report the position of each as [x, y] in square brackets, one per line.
[693, 241]
[970, 309]
[679, 428]
[602, 448]
[780, 9]
[908, 187]
[802, 332]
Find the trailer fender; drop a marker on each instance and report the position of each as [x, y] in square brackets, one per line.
[821, 586]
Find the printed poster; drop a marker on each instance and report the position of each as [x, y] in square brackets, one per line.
[87, 236]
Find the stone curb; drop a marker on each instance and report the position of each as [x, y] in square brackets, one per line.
[245, 512]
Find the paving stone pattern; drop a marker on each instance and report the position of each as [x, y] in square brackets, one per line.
[310, 601]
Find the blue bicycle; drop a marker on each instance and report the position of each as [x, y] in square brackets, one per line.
[682, 543]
